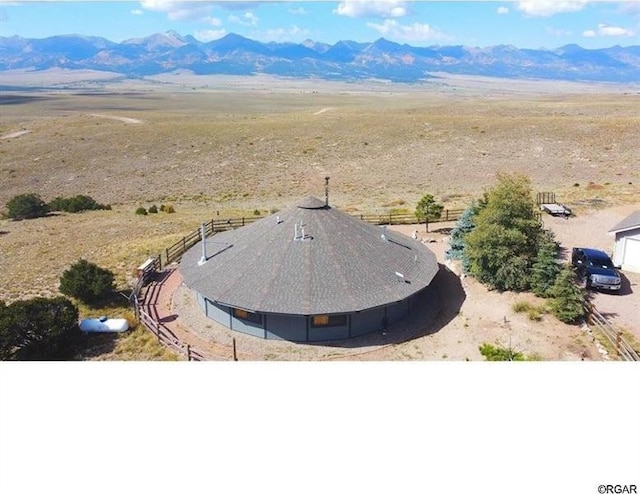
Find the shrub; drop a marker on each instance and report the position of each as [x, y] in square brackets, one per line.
[76, 204]
[169, 209]
[499, 353]
[153, 209]
[38, 329]
[26, 206]
[256, 212]
[141, 211]
[87, 282]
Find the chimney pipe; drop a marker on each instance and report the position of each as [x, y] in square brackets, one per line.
[203, 259]
[326, 191]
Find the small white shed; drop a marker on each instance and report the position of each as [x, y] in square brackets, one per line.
[626, 251]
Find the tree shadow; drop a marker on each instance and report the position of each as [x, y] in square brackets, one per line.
[434, 308]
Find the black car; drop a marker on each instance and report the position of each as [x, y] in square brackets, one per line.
[595, 268]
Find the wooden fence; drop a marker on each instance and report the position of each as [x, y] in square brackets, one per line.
[174, 252]
[167, 338]
[622, 346]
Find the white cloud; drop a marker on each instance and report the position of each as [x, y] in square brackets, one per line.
[246, 19]
[214, 21]
[178, 10]
[558, 33]
[281, 34]
[298, 11]
[547, 8]
[503, 10]
[137, 12]
[372, 8]
[608, 31]
[209, 35]
[409, 32]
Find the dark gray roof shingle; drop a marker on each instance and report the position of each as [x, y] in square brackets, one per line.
[630, 222]
[341, 265]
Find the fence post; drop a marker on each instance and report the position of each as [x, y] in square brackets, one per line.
[235, 355]
[446, 214]
[188, 352]
[243, 221]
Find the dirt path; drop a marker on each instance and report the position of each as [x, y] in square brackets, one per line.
[15, 134]
[120, 119]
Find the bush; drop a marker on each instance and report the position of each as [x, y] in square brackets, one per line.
[498, 353]
[26, 206]
[87, 282]
[141, 211]
[153, 209]
[169, 209]
[76, 204]
[38, 329]
[256, 212]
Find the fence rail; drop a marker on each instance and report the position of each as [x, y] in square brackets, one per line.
[621, 345]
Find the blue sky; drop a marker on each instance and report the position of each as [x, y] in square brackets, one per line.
[525, 24]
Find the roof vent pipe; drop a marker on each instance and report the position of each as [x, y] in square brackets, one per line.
[326, 191]
[203, 259]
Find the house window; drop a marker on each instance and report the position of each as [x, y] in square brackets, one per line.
[251, 317]
[326, 320]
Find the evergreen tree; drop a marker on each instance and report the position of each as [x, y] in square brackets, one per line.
[545, 268]
[87, 282]
[26, 206]
[568, 299]
[504, 243]
[38, 329]
[464, 225]
[428, 209]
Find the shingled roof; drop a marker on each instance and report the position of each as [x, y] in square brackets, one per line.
[309, 259]
[629, 223]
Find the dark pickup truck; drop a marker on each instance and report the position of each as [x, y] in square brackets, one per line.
[595, 268]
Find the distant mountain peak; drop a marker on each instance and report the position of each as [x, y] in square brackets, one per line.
[170, 52]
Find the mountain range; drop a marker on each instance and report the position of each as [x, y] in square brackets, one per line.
[344, 60]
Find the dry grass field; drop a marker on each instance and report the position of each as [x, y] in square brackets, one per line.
[229, 146]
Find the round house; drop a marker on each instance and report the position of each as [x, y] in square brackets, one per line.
[308, 273]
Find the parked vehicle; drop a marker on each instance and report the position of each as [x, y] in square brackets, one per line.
[595, 269]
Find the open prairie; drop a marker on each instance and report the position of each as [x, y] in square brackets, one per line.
[229, 146]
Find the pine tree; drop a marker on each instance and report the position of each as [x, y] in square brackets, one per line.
[464, 225]
[428, 209]
[545, 268]
[568, 299]
[504, 243]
